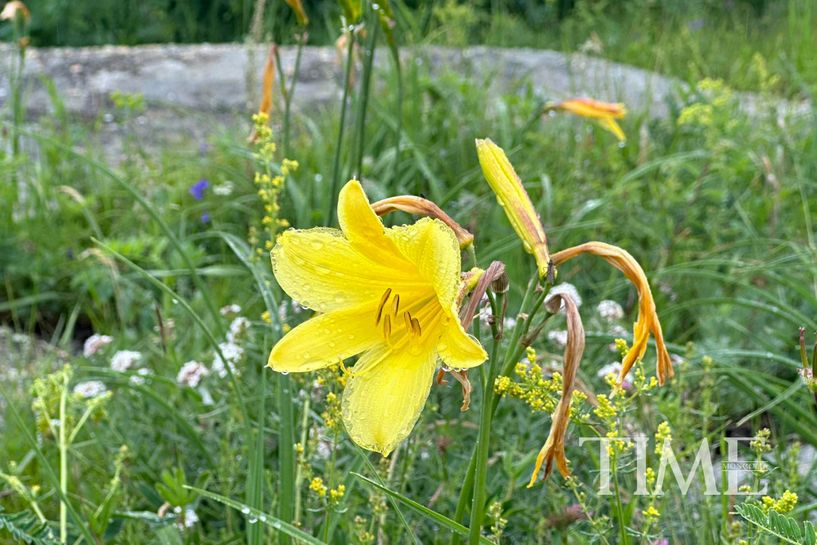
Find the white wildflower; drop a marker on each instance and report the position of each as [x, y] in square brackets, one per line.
[558, 337]
[485, 315]
[224, 190]
[191, 374]
[90, 389]
[611, 368]
[237, 328]
[140, 377]
[509, 322]
[188, 519]
[124, 359]
[232, 354]
[610, 310]
[230, 309]
[564, 288]
[95, 343]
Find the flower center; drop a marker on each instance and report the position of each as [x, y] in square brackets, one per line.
[395, 321]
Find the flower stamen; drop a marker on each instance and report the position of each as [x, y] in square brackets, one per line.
[396, 304]
[383, 300]
[387, 327]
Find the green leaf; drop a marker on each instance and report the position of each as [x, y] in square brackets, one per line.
[780, 526]
[269, 520]
[422, 509]
[25, 527]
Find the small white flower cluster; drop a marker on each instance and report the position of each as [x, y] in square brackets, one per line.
[225, 189]
[123, 360]
[95, 343]
[610, 310]
[186, 519]
[230, 309]
[192, 373]
[90, 389]
[564, 288]
[558, 337]
[232, 355]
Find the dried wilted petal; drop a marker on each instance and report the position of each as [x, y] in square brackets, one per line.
[300, 14]
[13, 9]
[647, 316]
[494, 271]
[513, 198]
[554, 447]
[419, 206]
[605, 112]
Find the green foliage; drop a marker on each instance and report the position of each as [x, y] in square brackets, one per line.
[780, 526]
[25, 527]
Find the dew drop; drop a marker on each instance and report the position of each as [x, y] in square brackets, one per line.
[252, 520]
[245, 510]
[316, 245]
[622, 144]
[283, 373]
[263, 519]
[175, 301]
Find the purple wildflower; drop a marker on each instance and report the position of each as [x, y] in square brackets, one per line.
[205, 217]
[198, 189]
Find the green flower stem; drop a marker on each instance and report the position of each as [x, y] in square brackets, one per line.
[365, 88]
[521, 328]
[63, 447]
[333, 190]
[484, 438]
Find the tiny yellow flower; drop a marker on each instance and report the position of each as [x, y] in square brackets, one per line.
[651, 513]
[605, 112]
[513, 198]
[317, 486]
[387, 295]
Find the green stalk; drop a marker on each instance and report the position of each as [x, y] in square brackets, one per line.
[63, 447]
[333, 190]
[289, 93]
[625, 538]
[286, 454]
[299, 476]
[255, 475]
[520, 329]
[364, 98]
[483, 441]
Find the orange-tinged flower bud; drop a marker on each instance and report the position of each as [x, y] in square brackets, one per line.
[647, 316]
[515, 201]
[419, 206]
[605, 112]
[300, 14]
[268, 82]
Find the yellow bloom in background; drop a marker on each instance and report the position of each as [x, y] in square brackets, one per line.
[605, 112]
[388, 295]
[300, 14]
[647, 316]
[513, 198]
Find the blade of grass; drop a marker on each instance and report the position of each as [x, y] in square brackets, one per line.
[430, 514]
[196, 318]
[271, 521]
[152, 212]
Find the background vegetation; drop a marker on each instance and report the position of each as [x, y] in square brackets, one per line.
[715, 203]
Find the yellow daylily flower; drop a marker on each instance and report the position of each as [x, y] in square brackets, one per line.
[647, 321]
[513, 198]
[605, 112]
[388, 295]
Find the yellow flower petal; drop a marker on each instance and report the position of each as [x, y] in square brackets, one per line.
[432, 246]
[325, 339]
[610, 124]
[321, 270]
[384, 396]
[363, 228]
[458, 349]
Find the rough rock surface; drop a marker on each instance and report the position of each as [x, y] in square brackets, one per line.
[188, 87]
